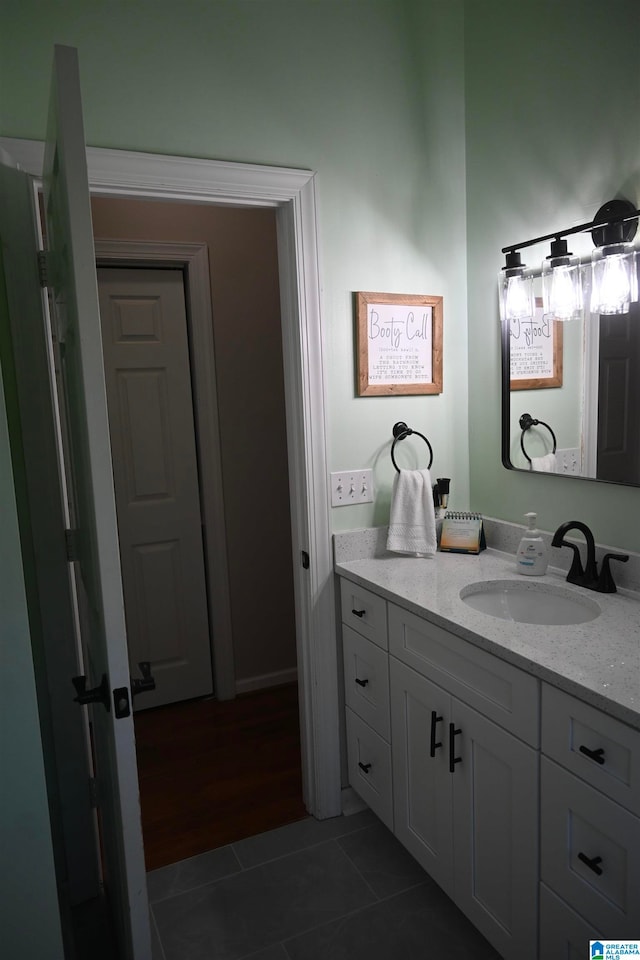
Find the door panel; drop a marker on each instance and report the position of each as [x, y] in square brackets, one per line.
[422, 784]
[76, 319]
[146, 356]
[619, 397]
[43, 520]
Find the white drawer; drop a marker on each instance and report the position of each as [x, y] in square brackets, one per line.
[598, 748]
[366, 681]
[564, 935]
[579, 824]
[500, 691]
[370, 767]
[364, 611]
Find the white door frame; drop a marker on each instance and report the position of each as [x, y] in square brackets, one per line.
[292, 193]
[193, 259]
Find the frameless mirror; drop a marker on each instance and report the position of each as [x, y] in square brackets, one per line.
[571, 395]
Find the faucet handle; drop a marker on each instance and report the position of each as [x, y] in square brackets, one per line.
[605, 580]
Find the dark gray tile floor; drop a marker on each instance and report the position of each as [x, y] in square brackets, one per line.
[341, 889]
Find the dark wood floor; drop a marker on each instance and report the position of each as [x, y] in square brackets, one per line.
[215, 772]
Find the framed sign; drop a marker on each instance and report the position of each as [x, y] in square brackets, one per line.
[536, 352]
[399, 344]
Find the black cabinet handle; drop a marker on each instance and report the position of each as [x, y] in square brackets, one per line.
[361, 683]
[453, 733]
[591, 862]
[597, 755]
[364, 766]
[433, 745]
[359, 613]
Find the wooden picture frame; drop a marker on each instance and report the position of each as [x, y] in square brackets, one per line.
[399, 338]
[535, 349]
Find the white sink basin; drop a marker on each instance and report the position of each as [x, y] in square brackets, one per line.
[526, 602]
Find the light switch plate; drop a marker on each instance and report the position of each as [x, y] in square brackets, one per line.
[351, 486]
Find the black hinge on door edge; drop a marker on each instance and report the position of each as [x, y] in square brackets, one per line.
[44, 271]
[93, 792]
[305, 560]
[71, 544]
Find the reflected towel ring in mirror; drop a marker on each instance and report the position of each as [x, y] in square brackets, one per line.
[526, 422]
[400, 432]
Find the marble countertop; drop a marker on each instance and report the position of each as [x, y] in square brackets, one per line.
[598, 661]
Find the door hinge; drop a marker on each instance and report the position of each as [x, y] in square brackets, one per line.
[71, 544]
[44, 268]
[93, 793]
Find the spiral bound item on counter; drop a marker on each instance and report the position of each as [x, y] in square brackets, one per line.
[462, 532]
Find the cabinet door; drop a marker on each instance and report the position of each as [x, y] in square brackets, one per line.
[422, 782]
[589, 852]
[564, 935]
[495, 790]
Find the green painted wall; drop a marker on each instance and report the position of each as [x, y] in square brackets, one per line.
[369, 93]
[552, 132]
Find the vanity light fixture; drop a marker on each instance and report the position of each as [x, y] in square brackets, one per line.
[614, 269]
[517, 288]
[614, 274]
[561, 283]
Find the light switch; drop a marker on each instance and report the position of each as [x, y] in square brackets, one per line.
[351, 486]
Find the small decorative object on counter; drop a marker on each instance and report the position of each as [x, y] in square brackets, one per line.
[531, 559]
[462, 533]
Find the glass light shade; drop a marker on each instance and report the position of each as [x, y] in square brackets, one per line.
[561, 289]
[614, 279]
[516, 294]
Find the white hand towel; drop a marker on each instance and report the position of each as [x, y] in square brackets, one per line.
[546, 464]
[412, 522]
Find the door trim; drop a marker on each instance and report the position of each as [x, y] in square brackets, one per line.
[193, 259]
[292, 193]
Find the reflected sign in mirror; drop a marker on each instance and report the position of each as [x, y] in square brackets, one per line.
[571, 395]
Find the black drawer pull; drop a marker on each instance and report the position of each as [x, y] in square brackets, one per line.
[361, 683]
[597, 755]
[359, 613]
[453, 733]
[592, 862]
[364, 766]
[433, 746]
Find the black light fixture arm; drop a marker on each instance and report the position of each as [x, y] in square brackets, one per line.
[612, 214]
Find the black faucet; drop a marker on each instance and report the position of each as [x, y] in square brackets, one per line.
[589, 578]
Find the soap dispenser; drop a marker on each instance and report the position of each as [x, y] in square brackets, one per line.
[531, 558]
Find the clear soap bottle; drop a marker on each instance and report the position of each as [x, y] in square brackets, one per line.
[531, 558]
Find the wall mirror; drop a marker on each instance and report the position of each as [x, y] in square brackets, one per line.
[571, 395]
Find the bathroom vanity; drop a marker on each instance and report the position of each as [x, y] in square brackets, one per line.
[504, 756]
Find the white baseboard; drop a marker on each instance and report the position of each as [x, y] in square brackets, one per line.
[266, 680]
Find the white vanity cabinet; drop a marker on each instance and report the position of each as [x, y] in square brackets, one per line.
[466, 787]
[442, 742]
[589, 823]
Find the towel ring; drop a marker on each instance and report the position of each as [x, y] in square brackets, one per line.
[400, 431]
[526, 422]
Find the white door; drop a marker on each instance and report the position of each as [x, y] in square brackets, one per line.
[44, 502]
[155, 469]
[74, 297]
[422, 783]
[495, 808]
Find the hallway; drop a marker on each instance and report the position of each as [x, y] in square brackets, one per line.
[214, 772]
